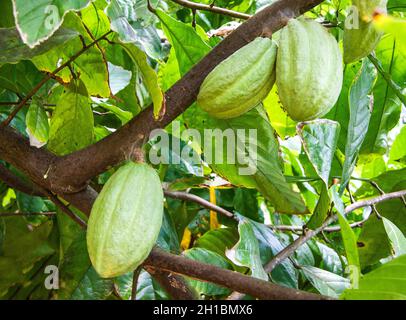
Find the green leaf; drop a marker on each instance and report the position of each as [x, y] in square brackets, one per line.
[398, 150]
[256, 162]
[319, 138]
[246, 252]
[12, 49]
[373, 241]
[37, 124]
[271, 244]
[149, 76]
[321, 210]
[218, 240]
[388, 282]
[189, 47]
[359, 100]
[387, 106]
[280, 120]
[134, 24]
[396, 237]
[36, 22]
[90, 66]
[349, 239]
[147, 287]
[22, 249]
[71, 126]
[206, 256]
[327, 283]
[341, 111]
[78, 280]
[246, 203]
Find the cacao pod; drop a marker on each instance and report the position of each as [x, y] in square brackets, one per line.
[241, 81]
[125, 220]
[362, 38]
[366, 8]
[309, 70]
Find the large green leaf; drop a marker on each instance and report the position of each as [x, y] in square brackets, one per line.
[244, 151]
[149, 76]
[78, 280]
[12, 49]
[189, 47]
[72, 122]
[37, 124]
[206, 256]
[327, 283]
[21, 250]
[38, 20]
[349, 239]
[246, 252]
[396, 237]
[319, 138]
[90, 66]
[373, 241]
[134, 24]
[387, 282]
[387, 105]
[359, 102]
[218, 240]
[398, 150]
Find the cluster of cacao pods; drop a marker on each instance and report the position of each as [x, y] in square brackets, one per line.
[125, 220]
[307, 68]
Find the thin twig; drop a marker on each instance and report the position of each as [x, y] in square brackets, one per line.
[287, 228]
[25, 214]
[290, 249]
[193, 198]
[65, 209]
[205, 7]
[46, 78]
[8, 103]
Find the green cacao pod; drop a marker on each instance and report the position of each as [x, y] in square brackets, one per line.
[309, 70]
[366, 8]
[125, 220]
[241, 81]
[361, 38]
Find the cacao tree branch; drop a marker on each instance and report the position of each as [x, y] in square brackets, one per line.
[15, 182]
[205, 7]
[79, 167]
[173, 284]
[290, 249]
[236, 281]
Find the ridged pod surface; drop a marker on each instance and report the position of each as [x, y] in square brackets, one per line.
[309, 71]
[366, 8]
[241, 81]
[360, 40]
[125, 220]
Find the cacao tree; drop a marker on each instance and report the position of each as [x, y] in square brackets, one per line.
[171, 149]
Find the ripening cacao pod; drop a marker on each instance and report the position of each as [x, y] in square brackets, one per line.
[309, 71]
[241, 81]
[125, 220]
[361, 37]
[366, 8]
